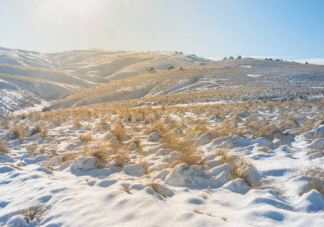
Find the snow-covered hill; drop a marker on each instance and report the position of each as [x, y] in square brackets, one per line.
[61, 73]
[232, 80]
[14, 98]
[117, 65]
[12, 56]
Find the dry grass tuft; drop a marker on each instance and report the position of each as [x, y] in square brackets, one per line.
[18, 166]
[138, 143]
[68, 156]
[85, 138]
[32, 212]
[120, 133]
[240, 168]
[208, 190]
[44, 133]
[32, 149]
[3, 148]
[314, 183]
[126, 189]
[77, 123]
[17, 132]
[101, 155]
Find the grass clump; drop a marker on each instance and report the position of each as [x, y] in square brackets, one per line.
[314, 184]
[3, 148]
[85, 138]
[17, 132]
[32, 212]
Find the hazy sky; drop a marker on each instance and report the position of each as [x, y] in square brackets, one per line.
[288, 29]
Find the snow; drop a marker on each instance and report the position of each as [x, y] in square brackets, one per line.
[139, 179]
[253, 75]
[87, 192]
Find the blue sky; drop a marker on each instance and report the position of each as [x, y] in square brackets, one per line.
[287, 29]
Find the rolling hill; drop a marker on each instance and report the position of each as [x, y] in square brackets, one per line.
[233, 80]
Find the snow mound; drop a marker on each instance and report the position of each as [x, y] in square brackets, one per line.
[86, 163]
[312, 201]
[238, 186]
[136, 170]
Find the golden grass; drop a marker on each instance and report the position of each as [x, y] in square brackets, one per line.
[85, 138]
[3, 148]
[240, 168]
[314, 184]
[77, 123]
[17, 132]
[32, 149]
[126, 189]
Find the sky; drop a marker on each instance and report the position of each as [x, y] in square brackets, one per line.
[285, 29]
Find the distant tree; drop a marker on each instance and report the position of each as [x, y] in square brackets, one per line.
[239, 57]
[277, 59]
[306, 63]
[180, 52]
[266, 59]
[231, 57]
[171, 67]
[270, 59]
[225, 58]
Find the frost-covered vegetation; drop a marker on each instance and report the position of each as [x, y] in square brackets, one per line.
[235, 164]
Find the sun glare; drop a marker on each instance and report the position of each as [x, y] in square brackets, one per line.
[79, 6]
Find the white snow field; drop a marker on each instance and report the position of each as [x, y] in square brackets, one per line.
[239, 164]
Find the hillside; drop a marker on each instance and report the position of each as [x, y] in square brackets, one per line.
[231, 80]
[56, 75]
[117, 65]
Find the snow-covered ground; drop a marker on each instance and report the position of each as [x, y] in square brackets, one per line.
[236, 164]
